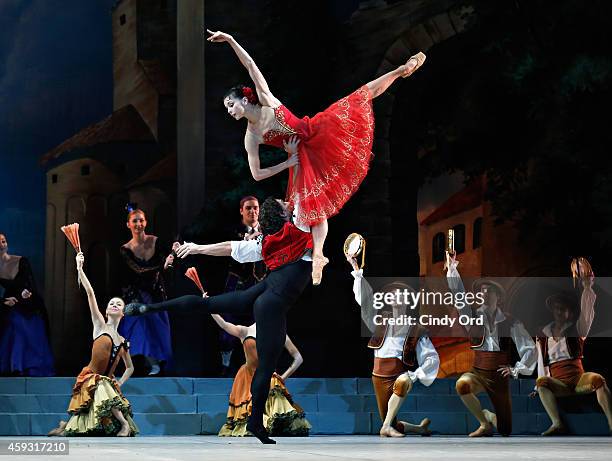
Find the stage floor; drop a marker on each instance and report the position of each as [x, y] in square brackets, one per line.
[351, 447]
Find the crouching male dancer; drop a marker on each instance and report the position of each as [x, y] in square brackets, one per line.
[403, 355]
[560, 352]
[286, 251]
[492, 344]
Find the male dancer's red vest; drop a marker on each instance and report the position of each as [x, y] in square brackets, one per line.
[286, 246]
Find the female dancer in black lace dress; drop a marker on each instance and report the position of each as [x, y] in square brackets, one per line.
[24, 329]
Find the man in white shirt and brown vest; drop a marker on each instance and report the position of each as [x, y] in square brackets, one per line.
[560, 351]
[492, 344]
[403, 355]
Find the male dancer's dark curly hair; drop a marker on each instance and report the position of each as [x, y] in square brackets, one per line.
[271, 216]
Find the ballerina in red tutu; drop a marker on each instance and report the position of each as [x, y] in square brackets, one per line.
[334, 148]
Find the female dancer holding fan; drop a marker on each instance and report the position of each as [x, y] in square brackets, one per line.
[97, 406]
[335, 146]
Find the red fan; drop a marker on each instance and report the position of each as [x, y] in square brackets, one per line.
[192, 274]
[72, 234]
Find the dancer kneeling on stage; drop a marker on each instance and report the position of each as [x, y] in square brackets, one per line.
[286, 250]
[560, 352]
[492, 344]
[282, 416]
[403, 355]
[97, 406]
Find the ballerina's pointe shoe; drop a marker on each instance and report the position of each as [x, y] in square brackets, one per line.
[483, 431]
[555, 430]
[59, 430]
[318, 263]
[413, 64]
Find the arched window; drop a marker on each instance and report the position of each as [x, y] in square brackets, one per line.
[459, 238]
[477, 235]
[438, 247]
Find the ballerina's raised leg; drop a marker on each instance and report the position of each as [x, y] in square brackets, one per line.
[335, 145]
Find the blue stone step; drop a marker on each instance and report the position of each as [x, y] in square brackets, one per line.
[56, 403]
[340, 422]
[12, 386]
[15, 424]
[188, 386]
[212, 386]
[445, 423]
[178, 403]
[335, 386]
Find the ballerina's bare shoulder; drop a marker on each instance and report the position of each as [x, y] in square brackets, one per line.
[268, 122]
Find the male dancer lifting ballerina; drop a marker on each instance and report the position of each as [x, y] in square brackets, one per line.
[286, 250]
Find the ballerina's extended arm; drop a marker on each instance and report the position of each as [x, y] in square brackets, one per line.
[96, 317]
[239, 331]
[261, 86]
[297, 358]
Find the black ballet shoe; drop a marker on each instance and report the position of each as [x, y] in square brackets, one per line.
[134, 309]
[260, 433]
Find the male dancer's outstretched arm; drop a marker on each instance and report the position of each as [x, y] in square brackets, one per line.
[238, 302]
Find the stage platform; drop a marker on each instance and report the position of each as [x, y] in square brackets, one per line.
[352, 447]
[334, 406]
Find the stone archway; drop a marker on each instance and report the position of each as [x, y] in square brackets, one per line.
[408, 27]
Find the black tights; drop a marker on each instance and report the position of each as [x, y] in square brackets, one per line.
[269, 310]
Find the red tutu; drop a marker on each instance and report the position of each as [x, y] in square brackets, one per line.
[335, 151]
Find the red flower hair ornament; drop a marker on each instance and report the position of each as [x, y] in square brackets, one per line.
[247, 92]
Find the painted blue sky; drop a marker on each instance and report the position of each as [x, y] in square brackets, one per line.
[55, 78]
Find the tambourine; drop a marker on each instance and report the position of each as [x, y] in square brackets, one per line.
[581, 268]
[354, 245]
[450, 248]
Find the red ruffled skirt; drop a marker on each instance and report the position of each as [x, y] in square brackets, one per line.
[334, 159]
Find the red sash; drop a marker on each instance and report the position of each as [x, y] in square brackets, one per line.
[286, 246]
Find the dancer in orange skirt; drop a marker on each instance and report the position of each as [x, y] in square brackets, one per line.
[97, 406]
[335, 146]
[282, 416]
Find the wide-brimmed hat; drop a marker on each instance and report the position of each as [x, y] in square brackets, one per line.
[566, 298]
[392, 286]
[478, 283]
